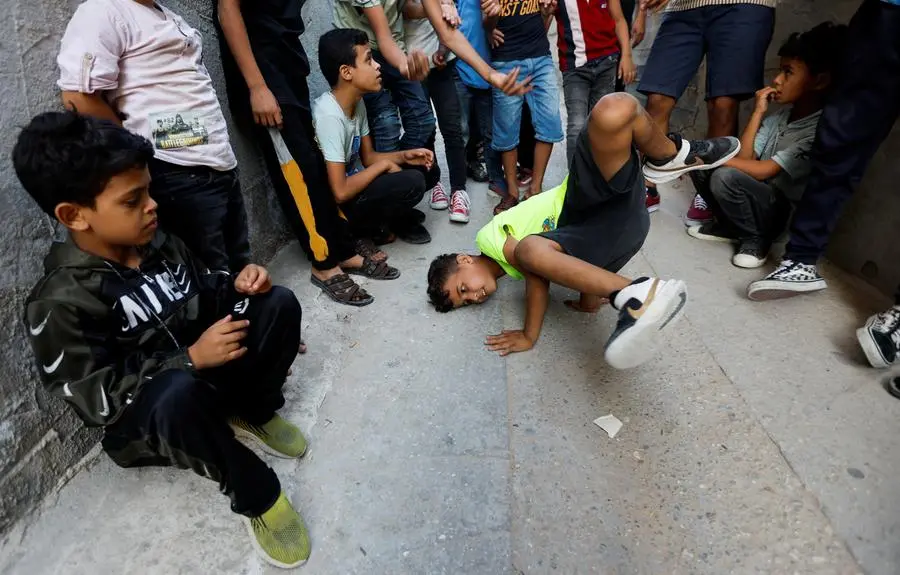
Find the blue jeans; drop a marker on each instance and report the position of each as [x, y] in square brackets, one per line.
[543, 101]
[401, 103]
[480, 102]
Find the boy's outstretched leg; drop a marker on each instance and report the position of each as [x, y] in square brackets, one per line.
[668, 157]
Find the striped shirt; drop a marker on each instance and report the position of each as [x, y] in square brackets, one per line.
[586, 31]
[680, 5]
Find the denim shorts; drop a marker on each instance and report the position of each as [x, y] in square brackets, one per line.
[733, 38]
[543, 102]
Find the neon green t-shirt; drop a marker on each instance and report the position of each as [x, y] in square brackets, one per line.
[533, 216]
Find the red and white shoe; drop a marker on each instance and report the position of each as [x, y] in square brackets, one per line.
[652, 201]
[459, 207]
[439, 199]
[699, 212]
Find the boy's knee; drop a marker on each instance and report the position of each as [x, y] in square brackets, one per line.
[285, 308]
[723, 109]
[614, 111]
[723, 181]
[182, 398]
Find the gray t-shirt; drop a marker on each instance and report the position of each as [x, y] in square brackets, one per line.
[349, 14]
[789, 145]
[339, 137]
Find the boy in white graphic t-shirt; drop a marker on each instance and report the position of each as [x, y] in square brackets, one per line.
[140, 65]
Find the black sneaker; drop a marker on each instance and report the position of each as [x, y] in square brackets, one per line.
[751, 254]
[880, 338]
[712, 232]
[413, 234]
[692, 155]
[477, 171]
[646, 307]
[789, 279]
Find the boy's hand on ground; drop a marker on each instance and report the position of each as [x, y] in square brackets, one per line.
[419, 157]
[497, 38]
[416, 66]
[509, 84]
[586, 305]
[253, 280]
[627, 70]
[490, 9]
[266, 111]
[219, 344]
[509, 341]
[763, 97]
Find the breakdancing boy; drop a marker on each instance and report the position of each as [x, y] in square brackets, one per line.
[139, 338]
[579, 234]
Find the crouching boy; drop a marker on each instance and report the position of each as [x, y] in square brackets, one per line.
[170, 359]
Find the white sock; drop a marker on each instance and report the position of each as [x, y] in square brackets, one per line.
[639, 289]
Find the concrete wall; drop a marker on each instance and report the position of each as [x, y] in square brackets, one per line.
[39, 438]
[865, 241]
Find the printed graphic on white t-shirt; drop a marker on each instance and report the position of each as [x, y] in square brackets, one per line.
[178, 130]
[354, 165]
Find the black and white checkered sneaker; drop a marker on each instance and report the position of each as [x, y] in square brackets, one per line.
[790, 278]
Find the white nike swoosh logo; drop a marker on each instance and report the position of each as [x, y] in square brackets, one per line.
[66, 389]
[48, 369]
[40, 327]
[105, 411]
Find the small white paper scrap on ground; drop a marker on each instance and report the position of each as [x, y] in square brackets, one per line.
[610, 424]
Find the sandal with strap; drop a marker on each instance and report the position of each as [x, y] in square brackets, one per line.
[342, 289]
[506, 202]
[374, 270]
[366, 248]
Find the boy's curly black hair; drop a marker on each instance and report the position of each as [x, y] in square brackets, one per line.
[438, 272]
[66, 157]
[819, 48]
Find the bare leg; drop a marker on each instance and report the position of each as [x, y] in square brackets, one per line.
[545, 258]
[510, 160]
[660, 109]
[542, 151]
[723, 117]
[617, 122]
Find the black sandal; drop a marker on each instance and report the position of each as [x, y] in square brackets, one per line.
[343, 290]
[366, 248]
[374, 270]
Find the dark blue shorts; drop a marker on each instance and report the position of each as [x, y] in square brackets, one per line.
[733, 38]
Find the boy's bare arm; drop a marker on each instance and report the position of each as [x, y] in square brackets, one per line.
[748, 136]
[627, 70]
[418, 157]
[761, 170]
[93, 105]
[265, 108]
[413, 67]
[346, 188]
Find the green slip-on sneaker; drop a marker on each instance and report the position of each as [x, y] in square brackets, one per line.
[276, 436]
[279, 535]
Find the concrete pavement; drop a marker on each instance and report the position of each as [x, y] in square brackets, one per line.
[758, 442]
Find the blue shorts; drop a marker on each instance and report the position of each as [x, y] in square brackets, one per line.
[543, 102]
[733, 38]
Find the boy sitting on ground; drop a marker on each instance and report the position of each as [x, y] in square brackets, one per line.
[370, 187]
[751, 196]
[579, 234]
[141, 339]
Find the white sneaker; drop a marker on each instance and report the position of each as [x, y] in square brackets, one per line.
[750, 256]
[646, 307]
[789, 279]
[438, 198]
[459, 207]
[692, 155]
